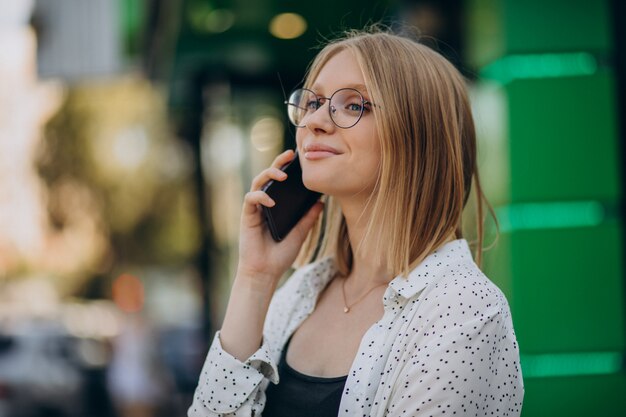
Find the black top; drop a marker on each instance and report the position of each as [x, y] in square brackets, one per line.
[302, 395]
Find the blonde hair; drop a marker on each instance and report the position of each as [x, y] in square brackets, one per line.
[428, 146]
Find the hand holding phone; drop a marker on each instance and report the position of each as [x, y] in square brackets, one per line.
[293, 200]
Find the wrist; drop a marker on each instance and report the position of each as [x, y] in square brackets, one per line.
[255, 283]
[242, 329]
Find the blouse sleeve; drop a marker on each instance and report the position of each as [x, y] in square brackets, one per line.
[229, 387]
[464, 360]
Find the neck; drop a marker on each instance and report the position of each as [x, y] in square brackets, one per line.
[369, 269]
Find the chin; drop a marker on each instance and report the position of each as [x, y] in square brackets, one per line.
[318, 180]
[314, 184]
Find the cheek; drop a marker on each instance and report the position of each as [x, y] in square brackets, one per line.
[369, 144]
[299, 138]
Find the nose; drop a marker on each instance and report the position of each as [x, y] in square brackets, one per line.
[319, 121]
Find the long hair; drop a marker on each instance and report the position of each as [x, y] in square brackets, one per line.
[428, 146]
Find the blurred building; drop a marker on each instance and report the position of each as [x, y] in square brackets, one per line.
[78, 40]
[26, 104]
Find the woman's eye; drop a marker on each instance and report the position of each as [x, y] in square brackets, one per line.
[356, 107]
[312, 105]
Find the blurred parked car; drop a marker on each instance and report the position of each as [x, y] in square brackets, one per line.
[38, 372]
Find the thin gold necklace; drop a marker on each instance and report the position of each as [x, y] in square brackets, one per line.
[346, 307]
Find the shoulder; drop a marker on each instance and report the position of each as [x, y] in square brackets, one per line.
[465, 280]
[449, 286]
[459, 346]
[299, 292]
[449, 277]
[461, 310]
[462, 297]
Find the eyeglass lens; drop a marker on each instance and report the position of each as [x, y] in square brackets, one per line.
[345, 107]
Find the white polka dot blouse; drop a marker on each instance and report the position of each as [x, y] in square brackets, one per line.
[445, 346]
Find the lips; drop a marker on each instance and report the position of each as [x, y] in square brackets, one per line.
[316, 151]
[320, 147]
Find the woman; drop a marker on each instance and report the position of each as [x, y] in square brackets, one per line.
[387, 315]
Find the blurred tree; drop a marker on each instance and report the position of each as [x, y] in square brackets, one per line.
[109, 156]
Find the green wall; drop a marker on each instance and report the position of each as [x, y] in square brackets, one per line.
[551, 168]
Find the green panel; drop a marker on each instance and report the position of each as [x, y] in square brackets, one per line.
[586, 396]
[568, 289]
[545, 365]
[497, 28]
[563, 139]
[544, 65]
[490, 108]
[557, 25]
[559, 257]
[554, 215]
[497, 266]
[485, 31]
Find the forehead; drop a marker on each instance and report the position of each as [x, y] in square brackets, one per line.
[340, 71]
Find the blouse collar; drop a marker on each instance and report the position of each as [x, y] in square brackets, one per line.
[422, 275]
[431, 267]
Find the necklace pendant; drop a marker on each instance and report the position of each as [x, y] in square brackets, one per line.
[346, 309]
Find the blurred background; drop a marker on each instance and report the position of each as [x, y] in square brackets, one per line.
[130, 130]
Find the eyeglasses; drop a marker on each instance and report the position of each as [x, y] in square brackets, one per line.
[345, 106]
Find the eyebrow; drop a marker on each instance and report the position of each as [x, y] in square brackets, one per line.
[360, 87]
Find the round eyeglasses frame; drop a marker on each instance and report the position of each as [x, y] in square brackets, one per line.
[331, 109]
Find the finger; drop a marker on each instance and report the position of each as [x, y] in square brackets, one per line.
[299, 232]
[267, 174]
[283, 158]
[256, 198]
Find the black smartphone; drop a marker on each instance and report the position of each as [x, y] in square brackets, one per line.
[293, 200]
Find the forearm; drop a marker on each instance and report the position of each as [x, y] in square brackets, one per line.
[242, 331]
[262, 261]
